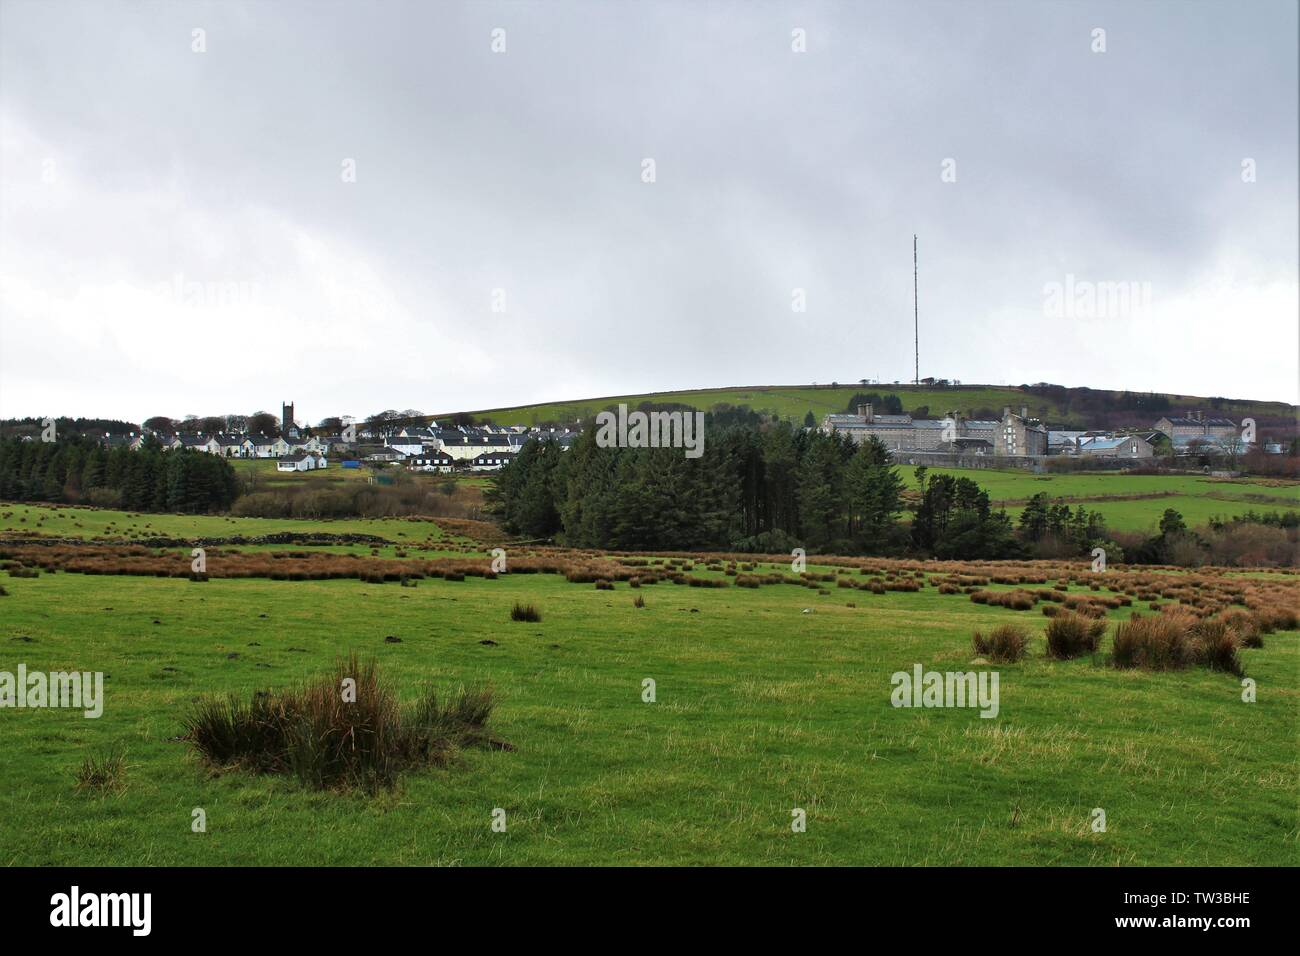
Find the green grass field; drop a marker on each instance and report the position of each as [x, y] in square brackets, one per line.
[264, 471]
[760, 709]
[92, 523]
[1197, 499]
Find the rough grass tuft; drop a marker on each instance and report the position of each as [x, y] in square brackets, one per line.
[525, 612]
[104, 772]
[344, 730]
[1005, 644]
[1072, 635]
[1160, 642]
[1215, 644]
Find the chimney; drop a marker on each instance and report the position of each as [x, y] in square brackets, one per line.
[864, 411]
[1006, 410]
[1024, 412]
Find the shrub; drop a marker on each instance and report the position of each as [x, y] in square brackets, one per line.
[1159, 643]
[1072, 635]
[1006, 643]
[525, 612]
[326, 741]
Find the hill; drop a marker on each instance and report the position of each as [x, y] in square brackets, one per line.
[1057, 405]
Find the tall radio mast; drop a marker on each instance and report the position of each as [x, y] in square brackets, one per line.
[916, 322]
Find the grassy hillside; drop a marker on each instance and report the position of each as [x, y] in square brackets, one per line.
[794, 401]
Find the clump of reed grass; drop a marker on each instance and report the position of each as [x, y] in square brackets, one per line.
[1071, 635]
[1005, 644]
[1159, 642]
[525, 612]
[1215, 644]
[343, 730]
[103, 772]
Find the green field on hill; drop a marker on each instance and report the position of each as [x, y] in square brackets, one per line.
[760, 709]
[794, 401]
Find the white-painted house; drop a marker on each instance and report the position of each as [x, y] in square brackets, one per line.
[430, 460]
[263, 446]
[300, 461]
[407, 444]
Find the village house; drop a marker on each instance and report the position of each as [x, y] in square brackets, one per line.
[133, 440]
[434, 461]
[230, 446]
[301, 461]
[491, 461]
[466, 445]
[424, 434]
[262, 446]
[407, 444]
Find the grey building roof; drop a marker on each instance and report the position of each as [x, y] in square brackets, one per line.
[1186, 422]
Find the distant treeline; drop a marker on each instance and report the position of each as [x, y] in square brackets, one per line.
[759, 489]
[66, 426]
[78, 471]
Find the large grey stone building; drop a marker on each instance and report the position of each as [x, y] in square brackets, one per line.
[1016, 435]
[1184, 428]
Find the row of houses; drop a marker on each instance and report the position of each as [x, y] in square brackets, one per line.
[467, 448]
[443, 463]
[472, 448]
[468, 442]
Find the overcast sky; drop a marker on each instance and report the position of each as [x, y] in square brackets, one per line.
[178, 232]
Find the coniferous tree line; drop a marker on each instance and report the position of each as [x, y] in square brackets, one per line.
[762, 488]
[65, 426]
[78, 471]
